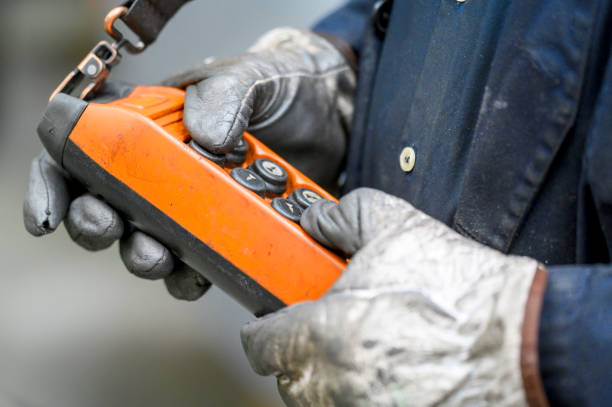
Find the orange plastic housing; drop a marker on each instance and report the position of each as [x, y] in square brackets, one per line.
[141, 142]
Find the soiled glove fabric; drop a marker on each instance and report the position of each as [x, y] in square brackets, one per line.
[52, 197]
[293, 89]
[422, 316]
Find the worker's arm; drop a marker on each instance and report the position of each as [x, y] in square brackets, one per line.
[576, 324]
[576, 335]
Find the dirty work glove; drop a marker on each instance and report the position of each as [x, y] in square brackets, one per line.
[52, 197]
[422, 316]
[293, 90]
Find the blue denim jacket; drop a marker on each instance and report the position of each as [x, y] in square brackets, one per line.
[508, 105]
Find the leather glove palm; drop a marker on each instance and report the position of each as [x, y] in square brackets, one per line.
[293, 89]
[421, 316]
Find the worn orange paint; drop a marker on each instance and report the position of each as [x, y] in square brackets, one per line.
[127, 138]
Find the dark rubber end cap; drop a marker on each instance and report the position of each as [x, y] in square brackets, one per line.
[60, 117]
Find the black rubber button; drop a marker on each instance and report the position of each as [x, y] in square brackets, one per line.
[249, 180]
[234, 158]
[272, 189]
[216, 158]
[270, 171]
[288, 208]
[242, 147]
[305, 197]
[238, 154]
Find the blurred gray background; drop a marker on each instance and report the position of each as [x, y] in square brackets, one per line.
[76, 329]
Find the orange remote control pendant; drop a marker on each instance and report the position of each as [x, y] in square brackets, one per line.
[234, 218]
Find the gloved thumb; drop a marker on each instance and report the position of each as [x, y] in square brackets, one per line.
[358, 218]
[217, 112]
[280, 343]
[218, 101]
[47, 197]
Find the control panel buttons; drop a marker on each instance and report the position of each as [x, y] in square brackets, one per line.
[272, 189]
[288, 208]
[305, 197]
[234, 158]
[270, 171]
[216, 158]
[249, 180]
[274, 175]
[238, 154]
[265, 177]
[242, 147]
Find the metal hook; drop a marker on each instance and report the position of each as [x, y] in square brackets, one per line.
[94, 69]
[109, 27]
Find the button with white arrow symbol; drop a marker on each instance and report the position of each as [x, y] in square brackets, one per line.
[271, 172]
[249, 179]
[305, 197]
[289, 209]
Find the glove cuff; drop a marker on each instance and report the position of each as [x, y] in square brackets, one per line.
[530, 371]
[343, 47]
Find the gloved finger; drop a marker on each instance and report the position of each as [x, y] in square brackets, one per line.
[279, 343]
[358, 218]
[184, 283]
[47, 196]
[318, 223]
[92, 223]
[217, 111]
[333, 225]
[145, 257]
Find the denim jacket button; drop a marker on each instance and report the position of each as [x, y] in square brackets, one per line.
[407, 159]
[381, 13]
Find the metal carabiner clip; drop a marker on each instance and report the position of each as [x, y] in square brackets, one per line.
[120, 40]
[94, 69]
[91, 73]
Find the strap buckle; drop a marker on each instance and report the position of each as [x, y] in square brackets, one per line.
[95, 68]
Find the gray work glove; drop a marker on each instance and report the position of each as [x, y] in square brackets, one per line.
[52, 197]
[422, 316]
[293, 89]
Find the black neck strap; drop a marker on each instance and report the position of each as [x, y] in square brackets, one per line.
[146, 18]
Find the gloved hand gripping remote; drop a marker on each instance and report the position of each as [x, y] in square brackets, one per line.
[233, 217]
